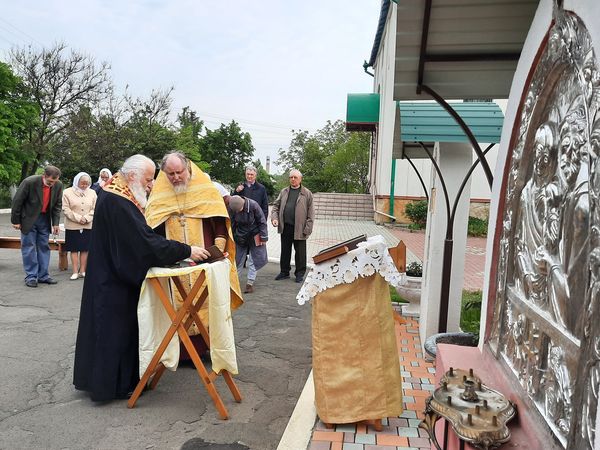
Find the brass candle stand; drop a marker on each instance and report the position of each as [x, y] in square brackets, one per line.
[477, 414]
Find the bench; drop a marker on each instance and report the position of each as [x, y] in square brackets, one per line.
[58, 244]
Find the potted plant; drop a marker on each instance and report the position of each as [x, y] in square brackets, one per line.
[411, 290]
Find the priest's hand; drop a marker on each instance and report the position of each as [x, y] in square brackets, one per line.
[199, 253]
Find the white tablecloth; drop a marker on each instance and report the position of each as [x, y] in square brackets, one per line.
[154, 320]
[368, 258]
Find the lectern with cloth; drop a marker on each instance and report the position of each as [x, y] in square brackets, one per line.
[355, 358]
[160, 325]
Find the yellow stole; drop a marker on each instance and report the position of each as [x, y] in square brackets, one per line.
[183, 216]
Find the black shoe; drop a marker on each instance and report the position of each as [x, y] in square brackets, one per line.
[48, 281]
[31, 283]
[299, 278]
[282, 276]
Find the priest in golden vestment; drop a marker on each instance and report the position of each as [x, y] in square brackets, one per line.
[185, 206]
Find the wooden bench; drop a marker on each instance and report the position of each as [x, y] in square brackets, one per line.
[59, 245]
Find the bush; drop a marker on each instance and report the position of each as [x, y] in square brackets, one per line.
[477, 227]
[470, 314]
[395, 297]
[417, 212]
[414, 269]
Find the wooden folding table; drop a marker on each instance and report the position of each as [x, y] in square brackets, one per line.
[181, 321]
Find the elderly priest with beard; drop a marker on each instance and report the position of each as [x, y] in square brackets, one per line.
[186, 206]
[122, 249]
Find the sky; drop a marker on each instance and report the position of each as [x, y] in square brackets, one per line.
[271, 65]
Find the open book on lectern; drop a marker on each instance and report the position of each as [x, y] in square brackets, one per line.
[338, 249]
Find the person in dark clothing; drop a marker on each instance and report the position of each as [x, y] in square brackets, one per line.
[122, 249]
[103, 178]
[293, 214]
[254, 190]
[250, 235]
[35, 212]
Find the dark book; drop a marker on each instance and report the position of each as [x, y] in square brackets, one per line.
[215, 255]
[338, 249]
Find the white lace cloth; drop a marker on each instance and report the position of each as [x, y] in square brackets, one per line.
[368, 258]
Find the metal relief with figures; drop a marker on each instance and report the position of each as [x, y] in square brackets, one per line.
[548, 276]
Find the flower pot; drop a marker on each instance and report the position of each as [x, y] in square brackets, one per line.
[411, 291]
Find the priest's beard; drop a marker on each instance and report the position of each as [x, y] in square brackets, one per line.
[139, 193]
[180, 188]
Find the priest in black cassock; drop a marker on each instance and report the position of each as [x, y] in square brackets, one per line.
[122, 249]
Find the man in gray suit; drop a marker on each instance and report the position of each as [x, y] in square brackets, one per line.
[35, 211]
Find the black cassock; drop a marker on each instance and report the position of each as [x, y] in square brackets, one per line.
[122, 249]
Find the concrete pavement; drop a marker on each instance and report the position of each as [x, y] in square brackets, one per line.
[39, 408]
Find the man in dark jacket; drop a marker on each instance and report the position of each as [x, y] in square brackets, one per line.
[293, 214]
[35, 211]
[250, 235]
[252, 189]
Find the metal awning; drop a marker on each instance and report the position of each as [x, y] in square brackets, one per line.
[429, 122]
[362, 112]
[459, 49]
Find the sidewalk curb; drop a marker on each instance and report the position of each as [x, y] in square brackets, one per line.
[299, 429]
[5, 211]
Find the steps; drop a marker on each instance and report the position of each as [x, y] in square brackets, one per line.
[334, 206]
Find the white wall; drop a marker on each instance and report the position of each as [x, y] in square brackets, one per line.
[384, 84]
[408, 184]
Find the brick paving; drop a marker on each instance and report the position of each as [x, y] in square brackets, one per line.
[474, 256]
[400, 432]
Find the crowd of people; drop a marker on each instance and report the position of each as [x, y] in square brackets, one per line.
[123, 224]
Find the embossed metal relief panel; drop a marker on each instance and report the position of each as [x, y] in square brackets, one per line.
[549, 257]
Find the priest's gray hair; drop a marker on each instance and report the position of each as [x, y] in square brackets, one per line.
[136, 164]
[177, 154]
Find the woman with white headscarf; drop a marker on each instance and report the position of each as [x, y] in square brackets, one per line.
[78, 206]
[103, 177]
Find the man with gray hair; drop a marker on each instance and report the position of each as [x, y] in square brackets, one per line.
[293, 214]
[122, 249]
[35, 212]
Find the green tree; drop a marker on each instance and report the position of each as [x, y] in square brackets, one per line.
[147, 130]
[60, 83]
[188, 137]
[228, 150]
[17, 114]
[331, 159]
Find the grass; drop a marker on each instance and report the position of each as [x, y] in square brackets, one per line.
[470, 311]
[395, 297]
[477, 227]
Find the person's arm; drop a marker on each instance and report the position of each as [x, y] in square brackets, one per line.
[310, 215]
[259, 218]
[57, 208]
[89, 217]
[275, 210]
[264, 202]
[66, 208]
[17, 205]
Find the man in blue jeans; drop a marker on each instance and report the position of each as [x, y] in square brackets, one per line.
[35, 211]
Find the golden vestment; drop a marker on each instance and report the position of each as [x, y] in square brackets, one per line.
[185, 217]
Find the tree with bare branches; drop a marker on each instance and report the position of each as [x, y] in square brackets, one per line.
[61, 82]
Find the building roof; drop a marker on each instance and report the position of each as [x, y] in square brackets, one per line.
[458, 48]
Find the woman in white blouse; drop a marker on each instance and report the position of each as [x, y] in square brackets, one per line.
[78, 206]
